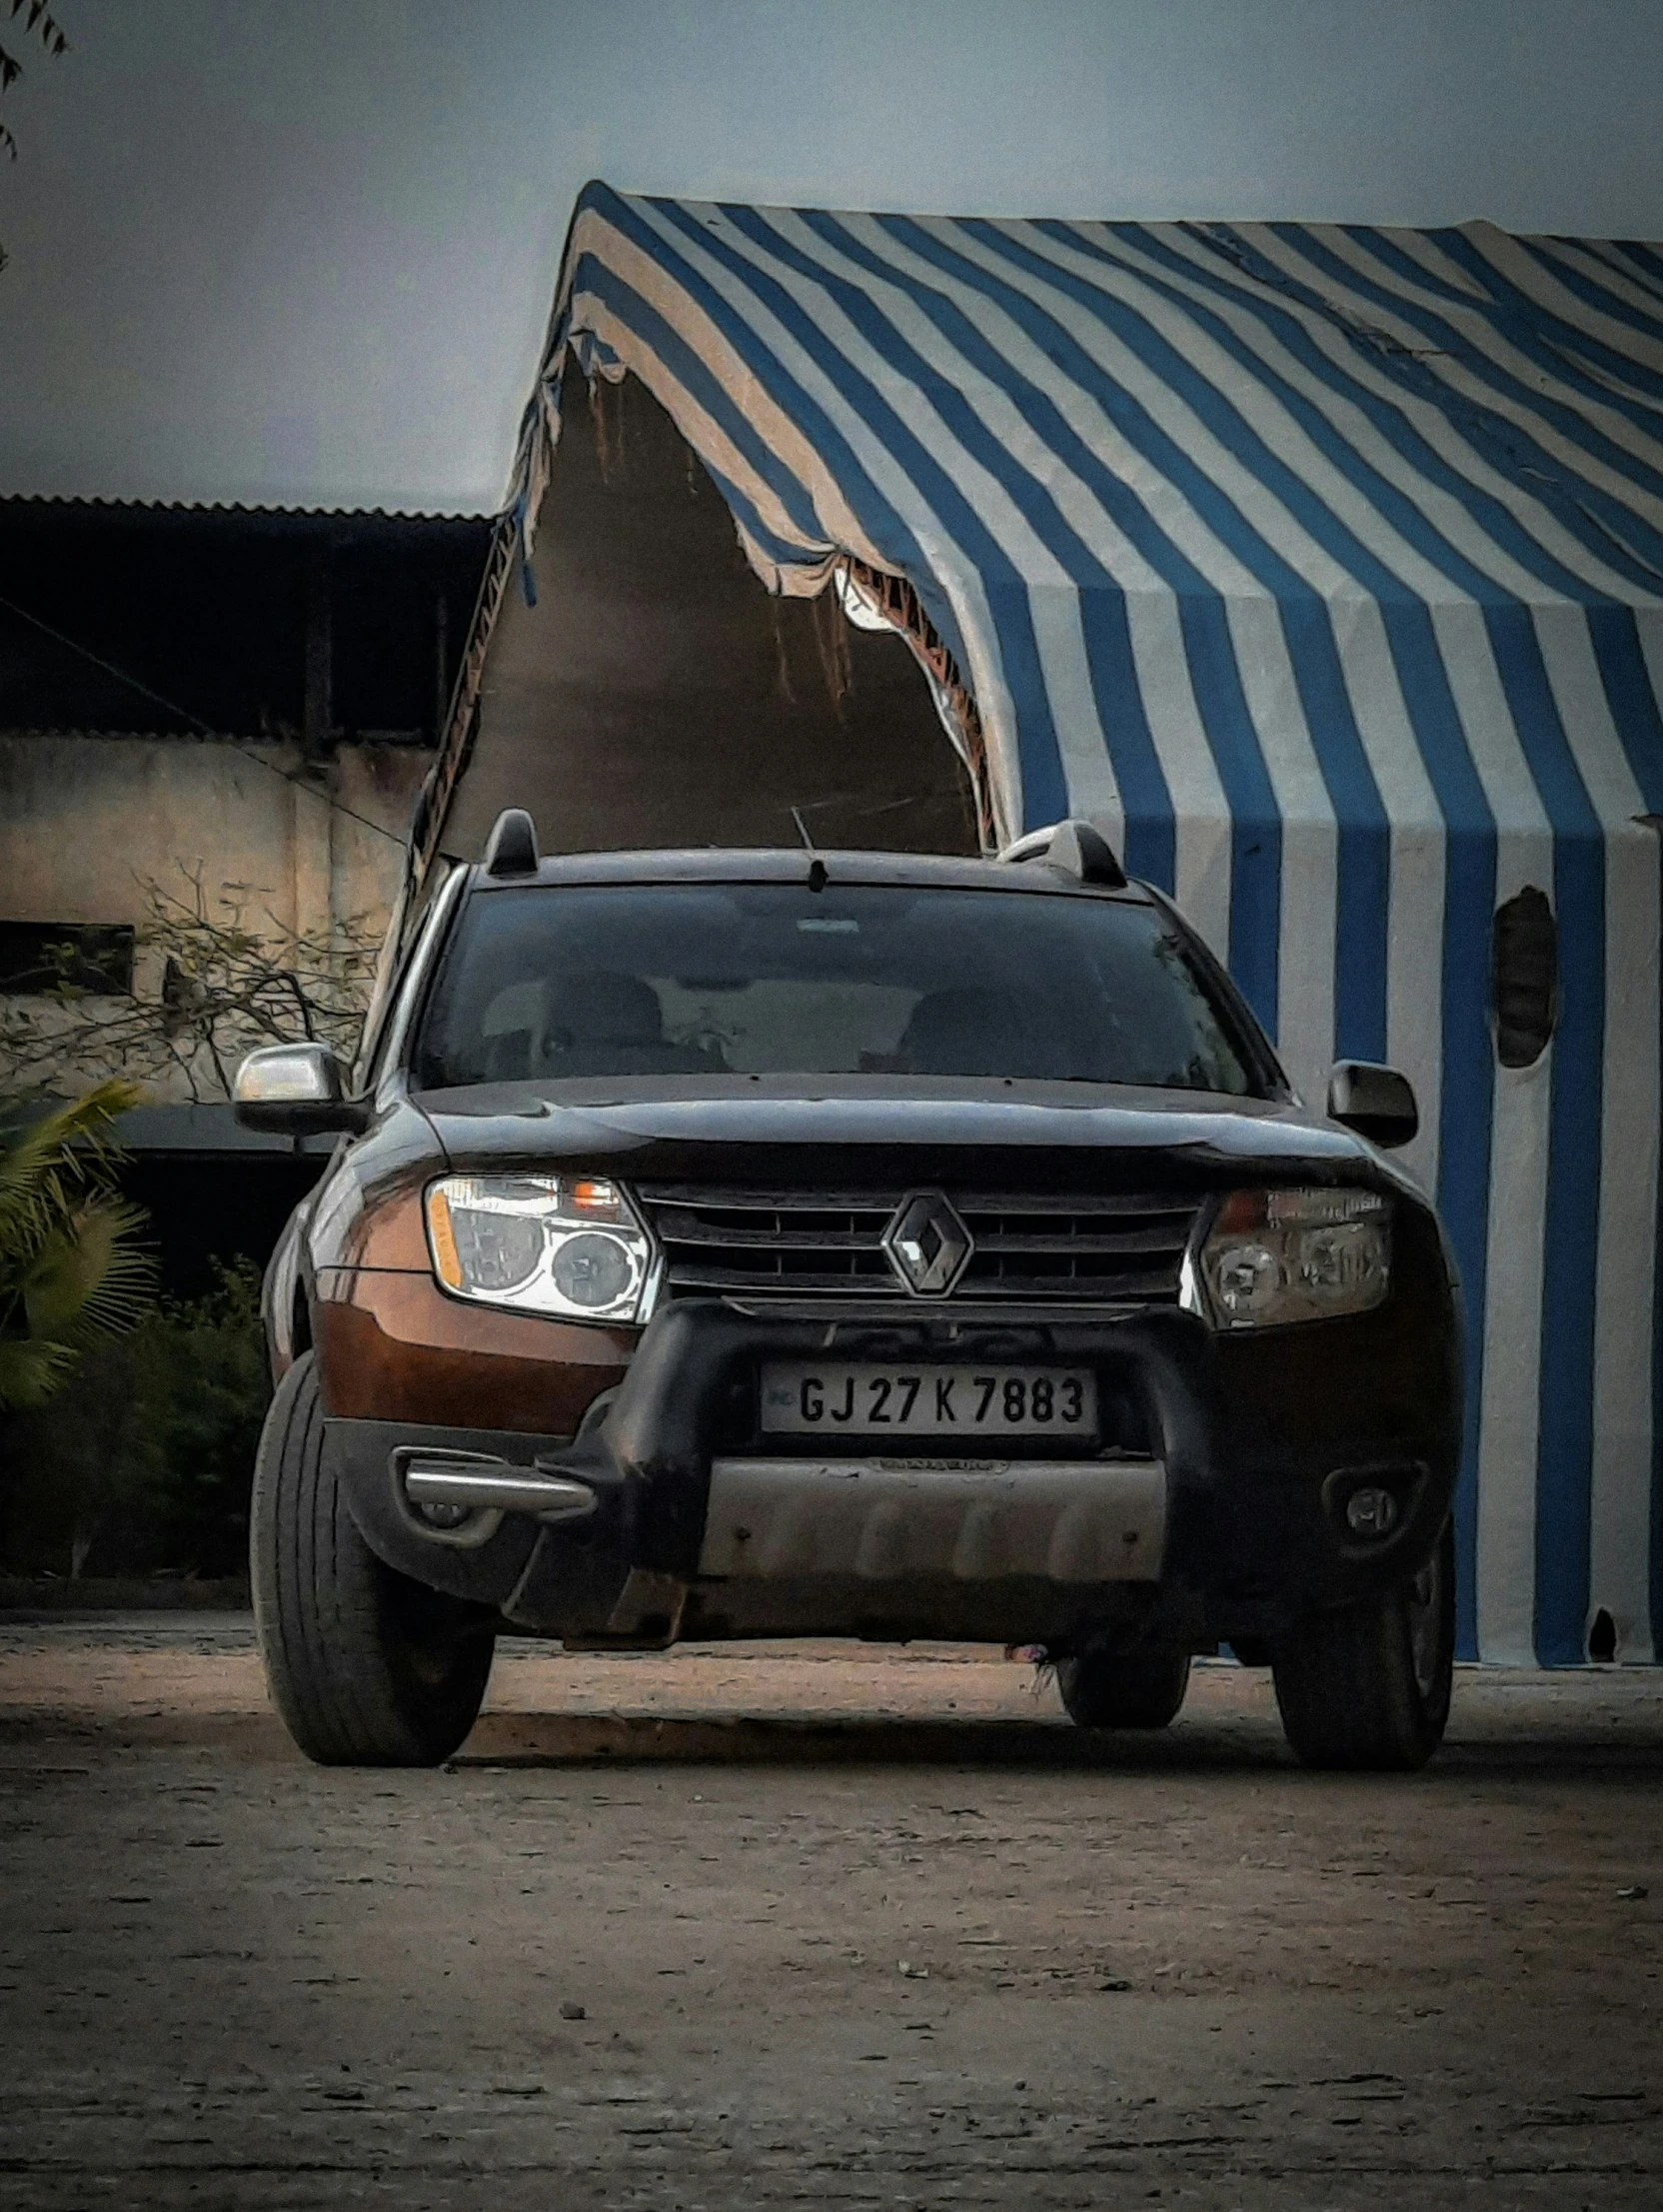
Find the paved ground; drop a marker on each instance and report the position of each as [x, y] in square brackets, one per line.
[1177, 1969]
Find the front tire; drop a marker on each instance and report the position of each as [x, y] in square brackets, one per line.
[1103, 1691]
[1367, 1686]
[365, 1666]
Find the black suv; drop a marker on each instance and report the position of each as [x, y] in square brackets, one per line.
[773, 1244]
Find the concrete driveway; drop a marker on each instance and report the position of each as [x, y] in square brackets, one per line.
[815, 1925]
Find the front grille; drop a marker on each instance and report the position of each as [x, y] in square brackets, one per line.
[1084, 1249]
[1100, 1250]
[778, 1243]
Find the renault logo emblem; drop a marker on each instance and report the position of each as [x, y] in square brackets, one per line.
[928, 1244]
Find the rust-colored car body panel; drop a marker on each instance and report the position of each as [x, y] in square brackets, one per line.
[392, 1347]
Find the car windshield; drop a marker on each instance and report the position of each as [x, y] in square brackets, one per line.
[776, 979]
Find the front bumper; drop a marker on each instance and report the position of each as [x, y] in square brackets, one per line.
[1225, 1525]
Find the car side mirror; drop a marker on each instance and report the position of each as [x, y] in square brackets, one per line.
[1376, 1102]
[295, 1090]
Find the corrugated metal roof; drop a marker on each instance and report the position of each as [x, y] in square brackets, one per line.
[264, 508]
[241, 741]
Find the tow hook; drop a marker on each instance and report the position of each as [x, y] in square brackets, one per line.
[443, 1484]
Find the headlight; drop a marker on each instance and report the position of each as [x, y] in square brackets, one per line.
[1273, 1256]
[567, 1244]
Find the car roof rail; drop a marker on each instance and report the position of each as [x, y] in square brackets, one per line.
[511, 849]
[1072, 848]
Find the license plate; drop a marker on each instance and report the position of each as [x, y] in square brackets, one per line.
[806, 1398]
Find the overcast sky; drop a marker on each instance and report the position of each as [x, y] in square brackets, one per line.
[302, 251]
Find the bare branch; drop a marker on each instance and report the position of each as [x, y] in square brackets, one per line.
[206, 989]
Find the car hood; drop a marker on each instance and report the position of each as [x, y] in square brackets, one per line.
[835, 1132]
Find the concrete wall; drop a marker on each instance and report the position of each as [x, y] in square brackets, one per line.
[86, 822]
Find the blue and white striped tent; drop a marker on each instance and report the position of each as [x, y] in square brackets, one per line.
[1323, 567]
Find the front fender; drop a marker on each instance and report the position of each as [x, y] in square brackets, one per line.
[281, 1298]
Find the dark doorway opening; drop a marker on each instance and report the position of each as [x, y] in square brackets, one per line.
[224, 1206]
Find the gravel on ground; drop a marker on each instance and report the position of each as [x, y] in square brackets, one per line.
[817, 1924]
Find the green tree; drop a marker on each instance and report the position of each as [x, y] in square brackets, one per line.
[145, 1464]
[71, 1267]
[206, 1388]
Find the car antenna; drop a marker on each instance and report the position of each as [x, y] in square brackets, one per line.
[817, 867]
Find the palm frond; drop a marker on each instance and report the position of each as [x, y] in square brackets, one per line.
[71, 1268]
[47, 1164]
[30, 1370]
[125, 1289]
[89, 1279]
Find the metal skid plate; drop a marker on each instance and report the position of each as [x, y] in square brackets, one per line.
[975, 1520]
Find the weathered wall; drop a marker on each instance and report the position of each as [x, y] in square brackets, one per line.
[87, 822]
